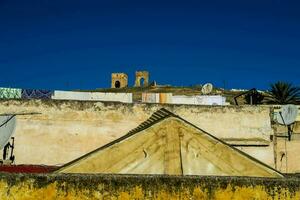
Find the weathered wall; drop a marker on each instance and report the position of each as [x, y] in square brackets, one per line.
[173, 147]
[262, 153]
[127, 187]
[182, 99]
[287, 152]
[157, 97]
[150, 97]
[288, 157]
[141, 75]
[199, 100]
[66, 130]
[92, 96]
[122, 79]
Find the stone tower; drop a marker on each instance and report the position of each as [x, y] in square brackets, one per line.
[141, 78]
[119, 80]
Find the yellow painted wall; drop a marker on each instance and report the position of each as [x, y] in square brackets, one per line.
[73, 187]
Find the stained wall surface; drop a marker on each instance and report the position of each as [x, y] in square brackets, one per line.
[150, 97]
[114, 187]
[92, 96]
[199, 100]
[139, 75]
[119, 80]
[169, 146]
[287, 151]
[66, 130]
[157, 98]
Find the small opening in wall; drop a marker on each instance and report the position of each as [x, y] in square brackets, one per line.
[142, 82]
[117, 84]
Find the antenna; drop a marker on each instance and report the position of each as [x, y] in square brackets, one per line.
[207, 88]
[287, 116]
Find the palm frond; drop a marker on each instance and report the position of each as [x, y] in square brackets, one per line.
[284, 93]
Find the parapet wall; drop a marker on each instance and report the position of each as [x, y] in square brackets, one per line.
[18, 186]
[92, 96]
[66, 130]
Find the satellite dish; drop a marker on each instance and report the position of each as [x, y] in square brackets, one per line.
[207, 88]
[287, 114]
[7, 127]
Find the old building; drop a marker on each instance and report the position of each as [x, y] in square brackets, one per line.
[168, 144]
[141, 79]
[119, 80]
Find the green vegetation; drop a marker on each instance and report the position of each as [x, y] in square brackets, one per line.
[284, 93]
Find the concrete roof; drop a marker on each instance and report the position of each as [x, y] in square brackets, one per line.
[168, 144]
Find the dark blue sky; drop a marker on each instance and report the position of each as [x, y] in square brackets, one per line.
[71, 44]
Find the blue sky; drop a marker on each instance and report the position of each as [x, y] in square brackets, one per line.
[64, 44]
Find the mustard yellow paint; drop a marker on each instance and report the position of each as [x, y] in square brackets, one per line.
[199, 194]
[26, 190]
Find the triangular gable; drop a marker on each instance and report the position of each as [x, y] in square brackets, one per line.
[167, 144]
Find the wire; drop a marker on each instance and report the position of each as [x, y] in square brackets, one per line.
[8, 119]
[31, 113]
